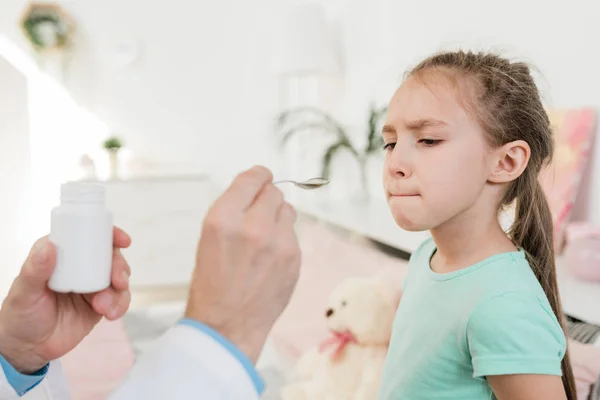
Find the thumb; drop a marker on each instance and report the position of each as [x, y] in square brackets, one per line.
[39, 265]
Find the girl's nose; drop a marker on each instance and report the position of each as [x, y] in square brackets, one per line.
[398, 164]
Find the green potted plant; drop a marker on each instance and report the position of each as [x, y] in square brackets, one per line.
[306, 119]
[112, 145]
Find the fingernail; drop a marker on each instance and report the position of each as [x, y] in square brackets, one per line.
[41, 254]
[112, 314]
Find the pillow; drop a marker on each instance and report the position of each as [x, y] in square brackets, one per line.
[574, 131]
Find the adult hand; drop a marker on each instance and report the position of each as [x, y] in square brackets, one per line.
[247, 262]
[38, 325]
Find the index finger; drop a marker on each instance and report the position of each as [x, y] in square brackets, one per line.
[245, 188]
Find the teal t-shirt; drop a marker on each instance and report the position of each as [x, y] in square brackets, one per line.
[452, 330]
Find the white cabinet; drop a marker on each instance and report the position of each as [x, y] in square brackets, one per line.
[163, 216]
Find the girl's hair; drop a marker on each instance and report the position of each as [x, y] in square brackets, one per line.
[506, 102]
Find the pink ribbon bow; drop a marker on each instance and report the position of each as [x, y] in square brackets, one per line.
[340, 340]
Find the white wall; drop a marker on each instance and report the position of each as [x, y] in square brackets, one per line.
[560, 39]
[14, 168]
[198, 96]
[201, 94]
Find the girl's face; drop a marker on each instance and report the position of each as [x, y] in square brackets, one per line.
[437, 159]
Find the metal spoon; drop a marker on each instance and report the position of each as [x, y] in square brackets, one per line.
[313, 183]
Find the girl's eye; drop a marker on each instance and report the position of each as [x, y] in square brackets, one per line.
[389, 146]
[429, 142]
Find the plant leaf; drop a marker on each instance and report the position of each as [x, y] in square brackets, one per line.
[327, 123]
[112, 143]
[284, 117]
[372, 126]
[328, 157]
[302, 127]
[374, 139]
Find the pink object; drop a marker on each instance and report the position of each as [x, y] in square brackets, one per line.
[340, 340]
[585, 360]
[574, 132]
[582, 253]
[327, 259]
[100, 362]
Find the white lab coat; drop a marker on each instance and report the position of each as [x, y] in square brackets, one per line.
[185, 363]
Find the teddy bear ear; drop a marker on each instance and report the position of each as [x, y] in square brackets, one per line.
[392, 284]
[393, 281]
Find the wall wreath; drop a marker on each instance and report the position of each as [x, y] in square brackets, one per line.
[47, 27]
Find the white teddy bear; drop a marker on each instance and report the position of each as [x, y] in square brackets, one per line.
[348, 366]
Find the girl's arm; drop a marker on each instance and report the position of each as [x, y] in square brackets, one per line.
[527, 387]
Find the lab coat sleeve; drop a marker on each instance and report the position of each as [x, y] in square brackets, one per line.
[188, 363]
[53, 386]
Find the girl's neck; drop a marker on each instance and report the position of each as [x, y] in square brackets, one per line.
[467, 239]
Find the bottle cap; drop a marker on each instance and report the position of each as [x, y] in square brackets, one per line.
[82, 192]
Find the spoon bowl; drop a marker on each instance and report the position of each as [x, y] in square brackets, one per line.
[310, 184]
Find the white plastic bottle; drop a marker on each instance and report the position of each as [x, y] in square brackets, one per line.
[82, 231]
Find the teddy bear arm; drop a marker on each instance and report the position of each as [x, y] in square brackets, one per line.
[295, 391]
[307, 364]
[370, 382]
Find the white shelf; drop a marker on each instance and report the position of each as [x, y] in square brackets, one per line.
[151, 178]
[580, 299]
[371, 219]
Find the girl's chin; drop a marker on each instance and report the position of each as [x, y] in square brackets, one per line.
[409, 224]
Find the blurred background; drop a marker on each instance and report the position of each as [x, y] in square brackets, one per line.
[165, 103]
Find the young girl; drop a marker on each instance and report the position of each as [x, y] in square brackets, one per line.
[466, 135]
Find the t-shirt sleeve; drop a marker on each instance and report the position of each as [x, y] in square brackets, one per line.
[515, 333]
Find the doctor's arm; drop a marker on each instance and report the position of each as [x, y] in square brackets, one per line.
[247, 265]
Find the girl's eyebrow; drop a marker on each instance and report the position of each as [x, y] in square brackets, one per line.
[388, 129]
[415, 125]
[421, 123]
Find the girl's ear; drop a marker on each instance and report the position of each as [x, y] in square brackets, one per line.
[510, 160]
